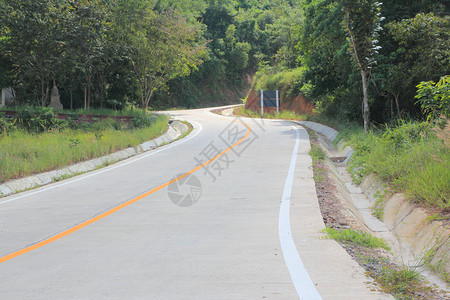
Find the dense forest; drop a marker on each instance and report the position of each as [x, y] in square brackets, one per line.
[348, 57]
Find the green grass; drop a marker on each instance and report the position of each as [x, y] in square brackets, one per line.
[409, 157]
[399, 282]
[356, 237]
[23, 153]
[317, 155]
[285, 115]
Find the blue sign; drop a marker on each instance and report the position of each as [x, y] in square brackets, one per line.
[269, 99]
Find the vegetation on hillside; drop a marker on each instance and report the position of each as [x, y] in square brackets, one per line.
[362, 58]
[350, 58]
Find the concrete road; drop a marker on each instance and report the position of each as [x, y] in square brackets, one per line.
[241, 222]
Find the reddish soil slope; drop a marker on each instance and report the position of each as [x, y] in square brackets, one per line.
[298, 104]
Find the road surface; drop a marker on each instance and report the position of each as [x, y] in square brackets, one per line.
[229, 212]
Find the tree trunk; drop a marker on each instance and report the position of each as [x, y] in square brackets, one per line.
[397, 103]
[147, 101]
[392, 108]
[43, 91]
[364, 74]
[87, 92]
[365, 100]
[88, 83]
[89, 98]
[71, 99]
[85, 97]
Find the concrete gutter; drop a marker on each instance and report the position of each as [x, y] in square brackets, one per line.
[174, 131]
[406, 227]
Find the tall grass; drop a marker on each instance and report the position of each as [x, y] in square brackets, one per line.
[408, 156]
[23, 153]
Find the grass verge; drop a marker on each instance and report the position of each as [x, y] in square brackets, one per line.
[410, 158]
[285, 115]
[24, 153]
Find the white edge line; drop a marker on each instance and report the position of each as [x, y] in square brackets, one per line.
[300, 278]
[118, 165]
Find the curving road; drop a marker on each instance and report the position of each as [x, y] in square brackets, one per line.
[229, 212]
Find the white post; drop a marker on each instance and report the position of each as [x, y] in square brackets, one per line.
[262, 103]
[278, 103]
[3, 97]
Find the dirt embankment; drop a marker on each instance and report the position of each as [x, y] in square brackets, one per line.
[298, 104]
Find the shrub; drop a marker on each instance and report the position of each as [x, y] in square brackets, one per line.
[142, 120]
[5, 125]
[38, 120]
[434, 99]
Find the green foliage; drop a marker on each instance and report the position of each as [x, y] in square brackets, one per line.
[356, 237]
[415, 49]
[267, 79]
[393, 61]
[408, 156]
[37, 120]
[116, 53]
[434, 99]
[424, 43]
[42, 119]
[163, 45]
[6, 125]
[239, 56]
[362, 21]
[142, 120]
[88, 48]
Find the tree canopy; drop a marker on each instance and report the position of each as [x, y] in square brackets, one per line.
[350, 57]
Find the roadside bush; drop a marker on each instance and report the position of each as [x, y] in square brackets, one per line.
[284, 80]
[107, 123]
[6, 126]
[434, 99]
[143, 120]
[72, 119]
[38, 120]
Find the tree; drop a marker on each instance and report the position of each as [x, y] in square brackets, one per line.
[362, 21]
[86, 29]
[162, 45]
[424, 45]
[34, 41]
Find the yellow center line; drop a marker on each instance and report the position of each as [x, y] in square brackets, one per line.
[116, 208]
